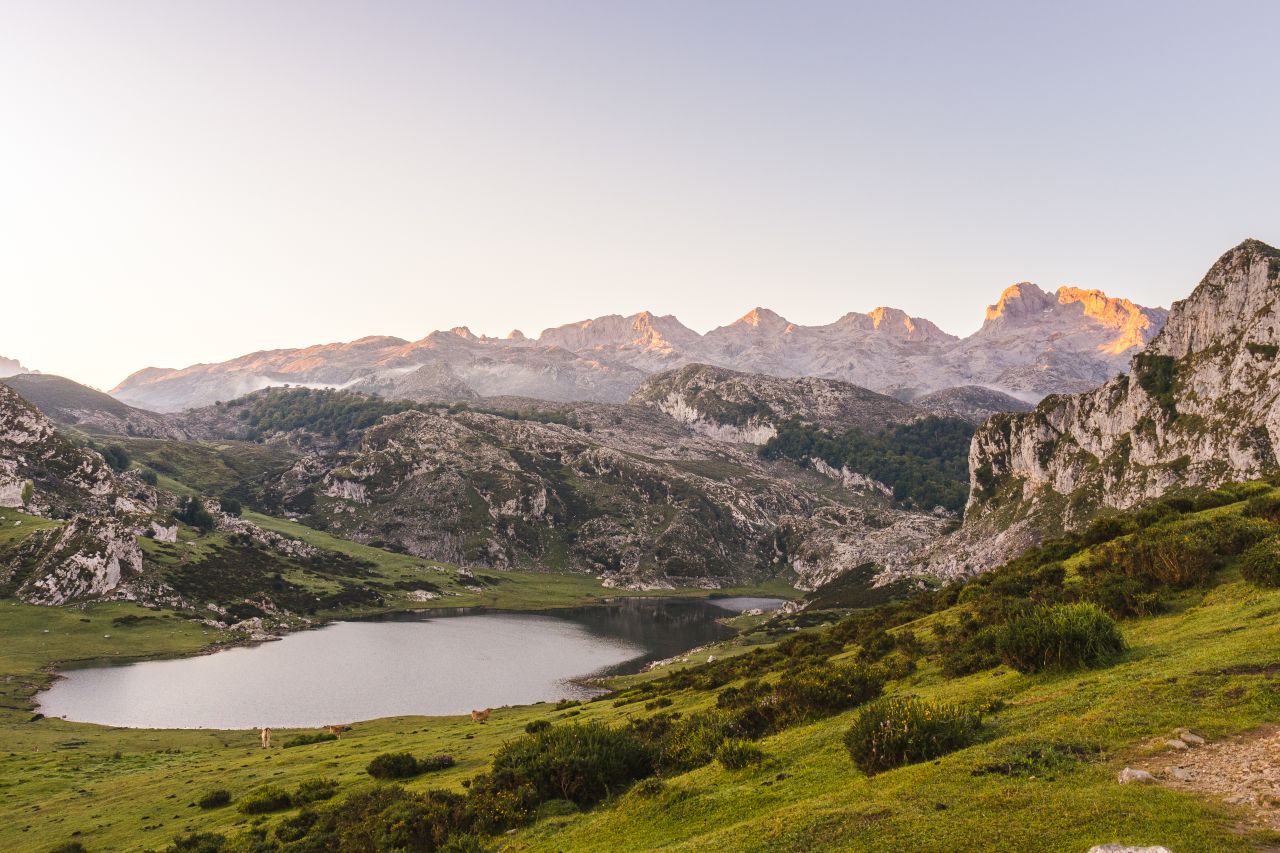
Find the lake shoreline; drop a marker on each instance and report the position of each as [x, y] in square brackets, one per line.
[639, 630]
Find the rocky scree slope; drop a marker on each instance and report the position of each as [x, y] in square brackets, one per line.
[629, 492]
[1032, 343]
[1197, 408]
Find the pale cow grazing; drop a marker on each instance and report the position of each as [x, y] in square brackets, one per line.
[481, 716]
[266, 738]
[337, 731]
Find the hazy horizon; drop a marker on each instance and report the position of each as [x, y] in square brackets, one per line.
[187, 183]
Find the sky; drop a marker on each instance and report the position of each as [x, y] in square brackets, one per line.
[187, 182]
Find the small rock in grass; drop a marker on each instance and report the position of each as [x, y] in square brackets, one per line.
[1132, 775]
[1190, 738]
[1179, 774]
[1176, 744]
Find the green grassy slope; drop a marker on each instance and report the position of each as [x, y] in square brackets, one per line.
[1042, 776]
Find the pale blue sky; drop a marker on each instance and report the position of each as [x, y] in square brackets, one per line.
[185, 182]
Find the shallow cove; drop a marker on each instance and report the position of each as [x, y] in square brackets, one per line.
[427, 663]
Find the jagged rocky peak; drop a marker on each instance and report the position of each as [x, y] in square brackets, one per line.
[762, 320]
[897, 323]
[1235, 299]
[1197, 408]
[1019, 302]
[643, 331]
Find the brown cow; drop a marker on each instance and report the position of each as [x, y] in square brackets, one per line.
[481, 716]
[337, 731]
[266, 738]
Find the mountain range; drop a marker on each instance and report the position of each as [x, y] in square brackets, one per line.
[1031, 343]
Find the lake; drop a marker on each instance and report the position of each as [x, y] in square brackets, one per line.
[431, 663]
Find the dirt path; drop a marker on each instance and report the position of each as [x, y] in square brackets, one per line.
[1243, 770]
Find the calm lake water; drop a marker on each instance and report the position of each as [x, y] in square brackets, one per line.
[436, 663]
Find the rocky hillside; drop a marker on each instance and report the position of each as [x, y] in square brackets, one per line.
[972, 403]
[748, 407]
[1197, 408]
[671, 490]
[1032, 343]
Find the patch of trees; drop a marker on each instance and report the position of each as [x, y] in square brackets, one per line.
[334, 414]
[925, 462]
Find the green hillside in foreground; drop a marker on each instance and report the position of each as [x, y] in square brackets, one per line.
[1200, 650]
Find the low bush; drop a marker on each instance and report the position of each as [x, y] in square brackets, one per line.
[582, 763]
[315, 790]
[216, 798]
[1060, 637]
[889, 733]
[1265, 506]
[537, 726]
[822, 690]
[304, 740]
[268, 798]
[736, 754]
[381, 817]
[402, 765]
[393, 765]
[1260, 565]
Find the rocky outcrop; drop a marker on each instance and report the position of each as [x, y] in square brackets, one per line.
[627, 492]
[1033, 343]
[86, 558]
[747, 407]
[1198, 408]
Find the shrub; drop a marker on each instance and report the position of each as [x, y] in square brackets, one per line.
[197, 842]
[304, 740]
[819, 691]
[214, 799]
[1265, 506]
[402, 765]
[683, 744]
[268, 798]
[230, 506]
[537, 726]
[435, 762]
[892, 732]
[193, 514]
[381, 817]
[1061, 637]
[1107, 528]
[148, 476]
[70, 847]
[582, 763]
[735, 754]
[1260, 565]
[315, 790]
[117, 457]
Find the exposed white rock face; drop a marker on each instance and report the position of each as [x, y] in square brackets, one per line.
[86, 558]
[1033, 343]
[162, 533]
[851, 479]
[1198, 408]
[752, 432]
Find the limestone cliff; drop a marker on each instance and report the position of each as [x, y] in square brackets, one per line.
[1198, 408]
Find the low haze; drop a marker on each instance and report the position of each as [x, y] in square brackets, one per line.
[188, 182]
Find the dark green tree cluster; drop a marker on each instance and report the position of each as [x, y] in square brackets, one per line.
[925, 462]
[334, 414]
